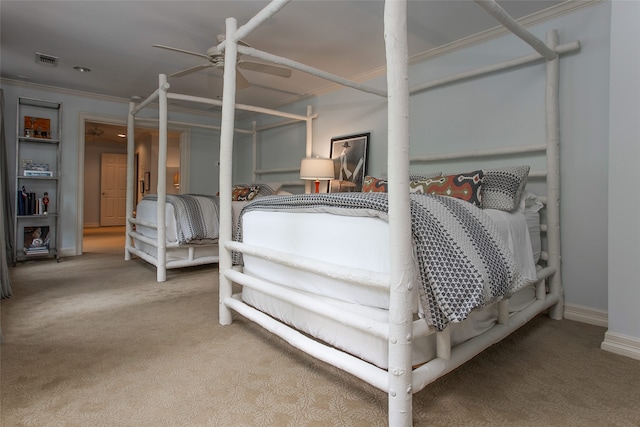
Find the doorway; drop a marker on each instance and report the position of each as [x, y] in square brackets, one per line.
[103, 135]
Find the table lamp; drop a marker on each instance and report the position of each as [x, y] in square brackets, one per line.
[315, 169]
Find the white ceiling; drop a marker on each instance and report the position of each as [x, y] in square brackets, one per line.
[114, 39]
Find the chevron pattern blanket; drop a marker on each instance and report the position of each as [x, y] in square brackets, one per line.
[197, 217]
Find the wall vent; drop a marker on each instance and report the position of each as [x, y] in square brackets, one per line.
[45, 59]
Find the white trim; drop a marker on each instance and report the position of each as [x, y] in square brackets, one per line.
[97, 96]
[66, 252]
[588, 315]
[621, 344]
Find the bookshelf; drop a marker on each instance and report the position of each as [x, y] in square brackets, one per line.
[36, 225]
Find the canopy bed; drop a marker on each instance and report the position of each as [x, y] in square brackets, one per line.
[175, 231]
[396, 318]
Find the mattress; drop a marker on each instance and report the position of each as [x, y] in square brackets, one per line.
[146, 210]
[355, 242]
[360, 242]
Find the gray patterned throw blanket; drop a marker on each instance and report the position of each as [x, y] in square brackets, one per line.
[197, 217]
[463, 262]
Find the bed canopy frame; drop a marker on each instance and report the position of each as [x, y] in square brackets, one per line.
[401, 380]
[161, 96]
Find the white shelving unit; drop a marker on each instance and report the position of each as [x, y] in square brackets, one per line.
[36, 225]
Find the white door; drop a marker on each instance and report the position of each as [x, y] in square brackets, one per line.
[113, 189]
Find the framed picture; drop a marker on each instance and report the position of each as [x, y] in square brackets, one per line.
[37, 127]
[147, 181]
[349, 155]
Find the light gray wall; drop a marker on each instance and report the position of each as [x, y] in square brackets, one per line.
[624, 205]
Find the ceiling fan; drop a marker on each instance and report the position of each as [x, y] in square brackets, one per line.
[215, 58]
[95, 132]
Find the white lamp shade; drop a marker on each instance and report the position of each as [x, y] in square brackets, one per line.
[316, 168]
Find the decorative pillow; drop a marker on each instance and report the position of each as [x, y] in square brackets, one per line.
[464, 186]
[421, 176]
[268, 188]
[374, 185]
[244, 192]
[503, 187]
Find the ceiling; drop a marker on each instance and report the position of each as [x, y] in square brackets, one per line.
[114, 40]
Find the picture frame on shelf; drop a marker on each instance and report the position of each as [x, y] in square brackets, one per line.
[37, 127]
[349, 155]
[147, 181]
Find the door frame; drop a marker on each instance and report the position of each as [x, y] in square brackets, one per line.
[185, 150]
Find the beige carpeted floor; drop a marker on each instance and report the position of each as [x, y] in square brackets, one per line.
[95, 341]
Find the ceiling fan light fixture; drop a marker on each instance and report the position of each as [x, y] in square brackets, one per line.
[82, 69]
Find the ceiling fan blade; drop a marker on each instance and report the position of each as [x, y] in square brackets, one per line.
[241, 81]
[175, 49]
[191, 70]
[265, 68]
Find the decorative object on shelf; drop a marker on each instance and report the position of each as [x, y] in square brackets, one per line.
[36, 166]
[315, 169]
[36, 240]
[349, 154]
[45, 203]
[37, 127]
[36, 169]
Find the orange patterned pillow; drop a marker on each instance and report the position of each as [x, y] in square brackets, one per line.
[244, 192]
[464, 186]
[374, 185]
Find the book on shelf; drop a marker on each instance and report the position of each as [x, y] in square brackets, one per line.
[38, 173]
[36, 240]
[30, 204]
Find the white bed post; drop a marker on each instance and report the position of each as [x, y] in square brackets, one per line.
[130, 179]
[309, 144]
[254, 152]
[226, 169]
[553, 175]
[400, 318]
[161, 270]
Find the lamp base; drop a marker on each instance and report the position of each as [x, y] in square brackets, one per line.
[317, 186]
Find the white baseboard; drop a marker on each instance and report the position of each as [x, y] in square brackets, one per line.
[621, 344]
[586, 315]
[63, 252]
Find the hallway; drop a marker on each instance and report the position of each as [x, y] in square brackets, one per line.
[103, 239]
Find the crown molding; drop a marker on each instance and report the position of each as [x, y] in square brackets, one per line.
[96, 96]
[553, 12]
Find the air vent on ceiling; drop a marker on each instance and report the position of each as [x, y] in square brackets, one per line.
[45, 59]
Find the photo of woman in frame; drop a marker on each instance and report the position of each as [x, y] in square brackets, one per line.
[349, 155]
